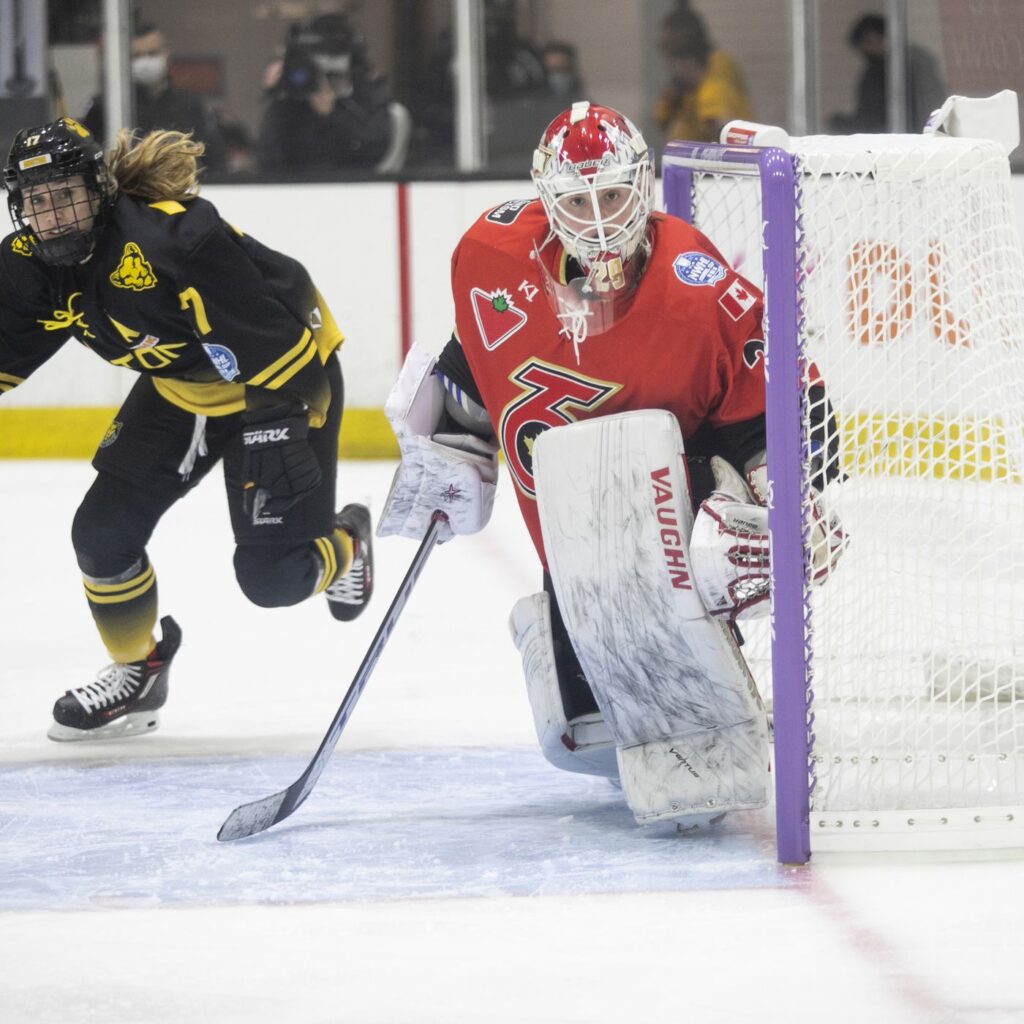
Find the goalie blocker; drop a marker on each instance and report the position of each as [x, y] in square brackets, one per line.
[679, 707]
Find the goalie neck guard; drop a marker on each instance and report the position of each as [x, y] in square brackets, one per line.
[59, 190]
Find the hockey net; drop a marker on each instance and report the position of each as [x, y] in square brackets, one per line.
[910, 302]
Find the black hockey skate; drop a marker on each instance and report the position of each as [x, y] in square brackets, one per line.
[124, 698]
[348, 595]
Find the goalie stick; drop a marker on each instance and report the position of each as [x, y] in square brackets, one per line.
[248, 819]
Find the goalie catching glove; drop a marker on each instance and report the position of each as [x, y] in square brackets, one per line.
[279, 466]
[454, 472]
[729, 545]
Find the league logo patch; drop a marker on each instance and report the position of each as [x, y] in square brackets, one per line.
[698, 268]
[134, 271]
[737, 299]
[508, 212]
[224, 361]
[112, 434]
[497, 317]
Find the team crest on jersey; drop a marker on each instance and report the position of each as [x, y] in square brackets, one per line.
[19, 244]
[508, 212]
[737, 299]
[134, 271]
[698, 268]
[550, 397]
[497, 316]
[224, 360]
[112, 434]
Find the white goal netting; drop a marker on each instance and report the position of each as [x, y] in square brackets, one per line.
[911, 306]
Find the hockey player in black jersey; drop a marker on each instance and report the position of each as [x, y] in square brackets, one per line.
[237, 360]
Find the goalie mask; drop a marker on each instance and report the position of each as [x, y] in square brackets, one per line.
[595, 177]
[59, 190]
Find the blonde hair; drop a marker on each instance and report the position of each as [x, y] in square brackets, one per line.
[160, 166]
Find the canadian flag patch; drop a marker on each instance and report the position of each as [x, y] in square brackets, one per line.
[497, 316]
[737, 299]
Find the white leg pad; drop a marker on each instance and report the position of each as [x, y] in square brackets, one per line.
[673, 687]
[581, 745]
[703, 772]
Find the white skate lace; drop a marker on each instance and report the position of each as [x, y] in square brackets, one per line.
[115, 682]
[349, 589]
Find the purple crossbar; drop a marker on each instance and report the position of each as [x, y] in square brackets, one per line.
[783, 373]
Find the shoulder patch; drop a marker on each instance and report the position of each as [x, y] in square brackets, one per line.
[508, 212]
[497, 316]
[134, 271]
[19, 244]
[223, 359]
[737, 299]
[698, 268]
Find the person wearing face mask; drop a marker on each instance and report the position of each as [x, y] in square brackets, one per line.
[707, 87]
[561, 71]
[325, 110]
[157, 104]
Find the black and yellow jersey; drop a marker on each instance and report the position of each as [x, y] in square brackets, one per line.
[175, 292]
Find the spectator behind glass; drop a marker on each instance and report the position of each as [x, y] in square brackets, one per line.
[158, 104]
[516, 88]
[325, 108]
[707, 88]
[561, 70]
[926, 89]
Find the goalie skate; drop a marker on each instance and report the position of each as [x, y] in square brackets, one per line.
[124, 698]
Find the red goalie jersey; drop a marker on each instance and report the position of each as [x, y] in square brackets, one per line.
[689, 341]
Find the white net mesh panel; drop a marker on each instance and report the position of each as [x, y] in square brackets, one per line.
[912, 287]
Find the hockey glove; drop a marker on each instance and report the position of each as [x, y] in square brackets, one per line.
[729, 544]
[279, 466]
[828, 539]
[729, 548]
[456, 473]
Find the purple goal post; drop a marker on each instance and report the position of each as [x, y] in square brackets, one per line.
[788, 459]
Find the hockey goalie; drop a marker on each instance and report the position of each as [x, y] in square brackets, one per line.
[626, 329]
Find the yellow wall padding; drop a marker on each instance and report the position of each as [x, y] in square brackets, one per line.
[74, 433]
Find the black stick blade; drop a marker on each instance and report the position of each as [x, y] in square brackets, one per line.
[253, 817]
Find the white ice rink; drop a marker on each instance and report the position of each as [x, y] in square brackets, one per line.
[441, 871]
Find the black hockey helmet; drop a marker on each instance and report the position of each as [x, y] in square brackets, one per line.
[51, 152]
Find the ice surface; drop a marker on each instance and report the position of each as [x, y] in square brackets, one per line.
[441, 871]
[379, 825]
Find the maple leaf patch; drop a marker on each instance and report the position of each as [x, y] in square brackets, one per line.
[497, 316]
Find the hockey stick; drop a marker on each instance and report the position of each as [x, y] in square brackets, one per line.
[259, 815]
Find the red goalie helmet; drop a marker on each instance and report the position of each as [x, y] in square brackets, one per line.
[595, 176]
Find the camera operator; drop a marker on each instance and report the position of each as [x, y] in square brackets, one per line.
[325, 109]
